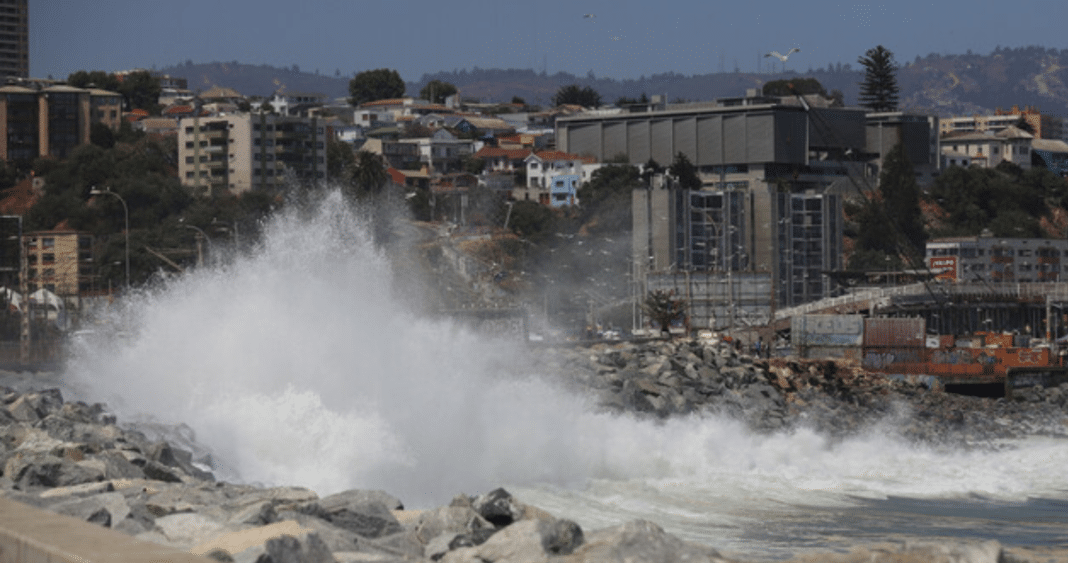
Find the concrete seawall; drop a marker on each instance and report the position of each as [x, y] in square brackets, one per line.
[29, 534]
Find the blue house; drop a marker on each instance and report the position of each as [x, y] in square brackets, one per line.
[563, 190]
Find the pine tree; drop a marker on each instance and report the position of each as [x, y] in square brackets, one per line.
[879, 90]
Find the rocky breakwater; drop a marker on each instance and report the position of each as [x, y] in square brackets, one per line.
[692, 376]
[76, 459]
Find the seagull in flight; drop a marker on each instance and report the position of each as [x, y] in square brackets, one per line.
[589, 16]
[783, 57]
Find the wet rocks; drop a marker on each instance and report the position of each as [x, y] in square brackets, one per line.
[661, 379]
[73, 458]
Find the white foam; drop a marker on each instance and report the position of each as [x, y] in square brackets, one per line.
[299, 365]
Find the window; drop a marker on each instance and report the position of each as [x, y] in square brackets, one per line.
[189, 160]
[48, 242]
[48, 258]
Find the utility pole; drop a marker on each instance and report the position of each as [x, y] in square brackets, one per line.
[24, 318]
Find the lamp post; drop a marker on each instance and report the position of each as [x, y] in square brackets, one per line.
[200, 235]
[126, 213]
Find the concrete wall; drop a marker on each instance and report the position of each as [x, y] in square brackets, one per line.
[29, 535]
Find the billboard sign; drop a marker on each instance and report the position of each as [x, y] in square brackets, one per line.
[943, 267]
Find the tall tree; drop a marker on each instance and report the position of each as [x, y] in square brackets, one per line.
[141, 91]
[879, 90]
[901, 197]
[685, 172]
[572, 94]
[95, 78]
[369, 175]
[794, 86]
[371, 85]
[436, 91]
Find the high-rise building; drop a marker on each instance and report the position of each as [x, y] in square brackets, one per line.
[14, 39]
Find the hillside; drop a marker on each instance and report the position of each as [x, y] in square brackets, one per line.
[944, 84]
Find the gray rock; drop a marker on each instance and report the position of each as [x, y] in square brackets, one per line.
[370, 519]
[526, 541]
[638, 541]
[335, 538]
[304, 548]
[46, 470]
[498, 507]
[455, 520]
[256, 514]
[114, 465]
[437, 547]
[360, 496]
[106, 509]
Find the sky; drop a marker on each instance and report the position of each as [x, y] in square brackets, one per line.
[622, 38]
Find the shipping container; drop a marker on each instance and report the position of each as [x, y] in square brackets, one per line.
[895, 333]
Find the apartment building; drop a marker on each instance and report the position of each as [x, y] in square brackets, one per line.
[235, 153]
[60, 261]
[988, 259]
[41, 119]
[14, 39]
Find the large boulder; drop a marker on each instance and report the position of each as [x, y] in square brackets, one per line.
[498, 507]
[368, 518]
[360, 496]
[32, 470]
[454, 520]
[281, 542]
[106, 509]
[638, 541]
[526, 541]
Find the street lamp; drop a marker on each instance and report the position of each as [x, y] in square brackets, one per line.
[203, 235]
[126, 213]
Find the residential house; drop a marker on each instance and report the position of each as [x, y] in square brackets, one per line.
[563, 190]
[543, 166]
[989, 149]
[218, 100]
[503, 160]
[297, 103]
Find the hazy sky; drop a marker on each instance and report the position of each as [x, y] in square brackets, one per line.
[624, 39]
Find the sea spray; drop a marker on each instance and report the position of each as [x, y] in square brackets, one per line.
[300, 364]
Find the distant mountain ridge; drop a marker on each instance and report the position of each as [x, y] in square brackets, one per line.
[943, 84]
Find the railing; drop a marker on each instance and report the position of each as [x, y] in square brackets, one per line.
[1055, 291]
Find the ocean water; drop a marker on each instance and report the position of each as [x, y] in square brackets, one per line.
[302, 363]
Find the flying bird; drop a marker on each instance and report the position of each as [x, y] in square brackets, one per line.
[783, 57]
[589, 16]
